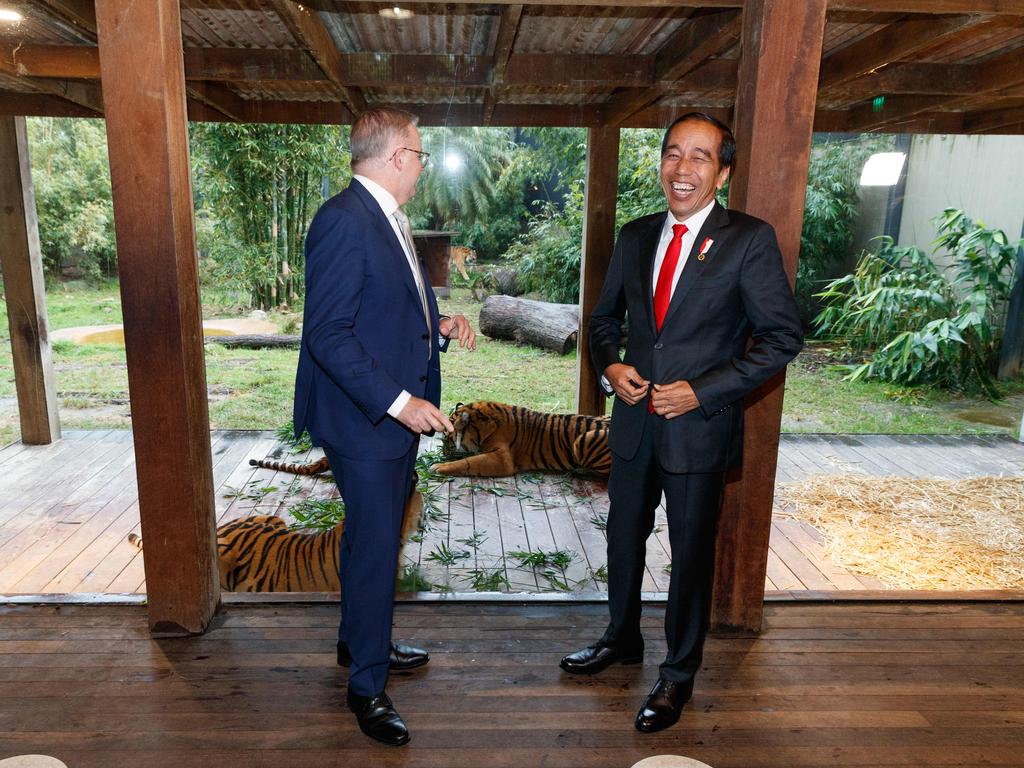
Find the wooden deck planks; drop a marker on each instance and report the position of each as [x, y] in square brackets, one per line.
[874, 684]
[66, 510]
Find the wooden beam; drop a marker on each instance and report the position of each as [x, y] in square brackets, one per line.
[220, 98]
[236, 65]
[147, 140]
[778, 79]
[991, 120]
[310, 32]
[927, 7]
[889, 44]
[40, 105]
[24, 289]
[906, 78]
[990, 77]
[696, 41]
[81, 93]
[77, 14]
[602, 186]
[508, 28]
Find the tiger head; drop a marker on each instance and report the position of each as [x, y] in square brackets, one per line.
[475, 425]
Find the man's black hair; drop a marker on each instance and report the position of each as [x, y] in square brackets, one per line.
[727, 147]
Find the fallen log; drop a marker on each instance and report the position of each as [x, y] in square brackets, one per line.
[524, 321]
[256, 341]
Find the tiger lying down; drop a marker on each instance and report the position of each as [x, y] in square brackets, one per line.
[504, 439]
[262, 554]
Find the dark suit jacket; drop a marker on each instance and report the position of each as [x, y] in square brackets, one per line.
[364, 337]
[738, 290]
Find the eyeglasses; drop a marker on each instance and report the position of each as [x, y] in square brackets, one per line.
[420, 155]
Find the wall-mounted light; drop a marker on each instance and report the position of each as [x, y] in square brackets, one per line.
[6, 14]
[882, 169]
[396, 12]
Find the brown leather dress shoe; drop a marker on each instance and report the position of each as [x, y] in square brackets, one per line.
[594, 658]
[663, 705]
[378, 719]
[402, 657]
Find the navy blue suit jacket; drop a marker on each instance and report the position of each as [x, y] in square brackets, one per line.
[737, 291]
[364, 336]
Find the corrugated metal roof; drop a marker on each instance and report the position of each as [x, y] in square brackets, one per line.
[38, 27]
[232, 24]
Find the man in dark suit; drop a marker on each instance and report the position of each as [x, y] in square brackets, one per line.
[696, 282]
[368, 384]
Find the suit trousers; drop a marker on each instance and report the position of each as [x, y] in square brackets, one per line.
[693, 504]
[375, 494]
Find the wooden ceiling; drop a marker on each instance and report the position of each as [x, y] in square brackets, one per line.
[941, 66]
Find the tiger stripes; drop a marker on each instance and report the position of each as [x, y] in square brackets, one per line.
[505, 439]
[316, 468]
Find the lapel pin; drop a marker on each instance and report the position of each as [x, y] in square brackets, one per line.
[704, 248]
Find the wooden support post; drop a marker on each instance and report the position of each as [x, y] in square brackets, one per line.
[778, 78]
[142, 69]
[598, 242]
[24, 290]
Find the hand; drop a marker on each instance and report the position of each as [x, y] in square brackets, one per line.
[421, 416]
[675, 399]
[629, 385]
[457, 326]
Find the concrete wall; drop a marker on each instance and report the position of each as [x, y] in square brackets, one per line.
[979, 174]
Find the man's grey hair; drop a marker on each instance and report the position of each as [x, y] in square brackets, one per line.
[375, 130]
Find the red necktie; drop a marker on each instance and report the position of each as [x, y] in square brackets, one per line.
[663, 290]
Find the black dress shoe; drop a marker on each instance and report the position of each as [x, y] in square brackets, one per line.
[594, 658]
[402, 657]
[378, 719]
[663, 705]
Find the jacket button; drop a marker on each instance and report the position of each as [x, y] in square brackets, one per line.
[423, 378]
[425, 336]
[659, 345]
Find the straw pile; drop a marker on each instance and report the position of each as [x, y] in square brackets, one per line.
[916, 533]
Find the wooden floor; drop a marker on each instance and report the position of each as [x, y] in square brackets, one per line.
[852, 684]
[66, 511]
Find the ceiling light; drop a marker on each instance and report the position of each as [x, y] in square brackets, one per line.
[9, 15]
[882, 169]
[396, 12]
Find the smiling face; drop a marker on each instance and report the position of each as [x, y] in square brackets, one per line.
[690, 170]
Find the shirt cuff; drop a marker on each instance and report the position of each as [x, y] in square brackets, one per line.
[400, 403]
[606, 386]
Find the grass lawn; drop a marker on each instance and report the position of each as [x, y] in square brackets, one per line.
[252, 389]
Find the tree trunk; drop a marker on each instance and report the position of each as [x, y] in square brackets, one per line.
[256, 341]
[540, 323]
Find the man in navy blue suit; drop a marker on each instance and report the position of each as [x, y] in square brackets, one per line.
[368, 384]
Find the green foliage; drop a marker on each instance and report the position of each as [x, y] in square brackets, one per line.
[411, 579]
[301, 444]
[444, 555]
[318, 514]
[257, 188]
[830, 210]
[478, 199]
[548, 254]
[483, 580]
[917, 324]
[541, 559]
[71, 177]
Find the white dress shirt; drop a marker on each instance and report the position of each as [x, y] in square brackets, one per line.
[693, 225]
[389, 205]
